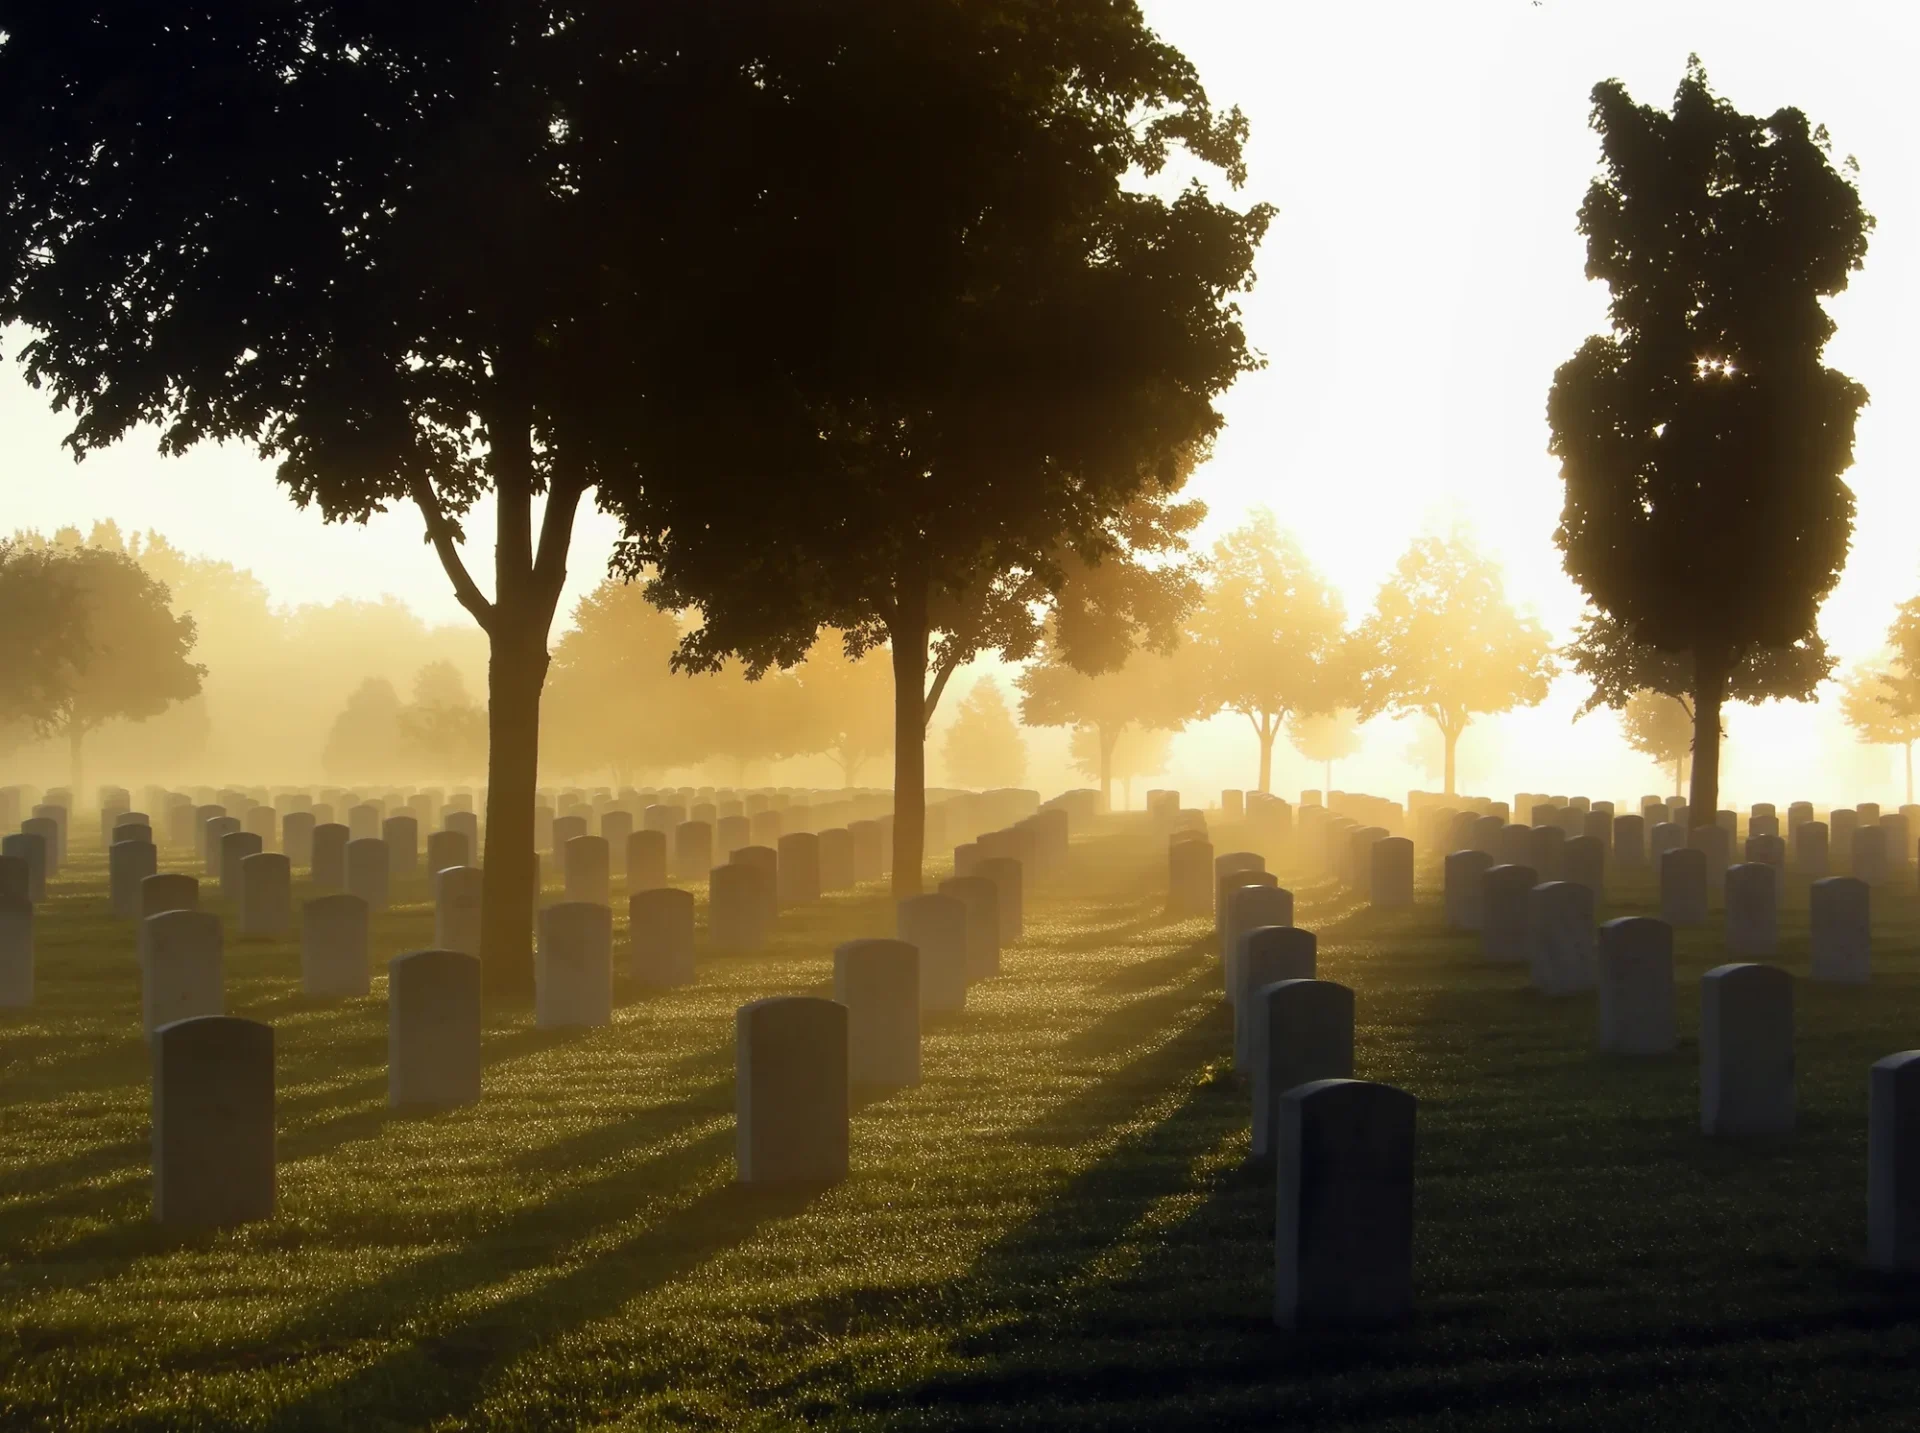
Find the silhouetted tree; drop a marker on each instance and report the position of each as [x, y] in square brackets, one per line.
[1624, 671]
[614, 702]
[1136, 752]
[1018, 344]
[1267, 640]
[364, 742]
[1702, 440]
[43, 630]
[1325, 737]
[983, 747]
[1145, 695]
[417, 253]
[443, 732]
[1661, 726]
[1443, 641]
[1881, 699]
[845, 705]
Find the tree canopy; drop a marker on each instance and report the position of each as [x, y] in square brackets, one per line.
[1444, 642]
[1605, 652]
[1267, 640]
[1145, 694]
[983, 748]
[1033, 347]
[1326, 737]
[1702, 439]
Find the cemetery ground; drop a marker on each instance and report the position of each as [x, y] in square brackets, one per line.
[1054, 1229]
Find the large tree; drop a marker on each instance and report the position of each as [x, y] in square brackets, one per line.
[1880, 699]
[987, 341]
[1326, 737]
[1702, 439]
[1444, 642]
[1268, 639]
[412, 252]
[845, 706]
[43, 631]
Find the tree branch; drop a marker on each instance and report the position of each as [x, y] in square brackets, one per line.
[939, 685]
[441, 534]
[556, 536]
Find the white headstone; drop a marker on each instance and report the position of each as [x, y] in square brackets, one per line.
[1753, 910]
[1746, 1050]
[1893, 1164]
[182, 968]
[213, 1151]
[573, 965]
[791, 1091]
[1302, 1032]
[660, 937]
[1636, 986]
[433, 1029]
[1841, 930]
[936, 926]
[1560, 938]
[878, 981]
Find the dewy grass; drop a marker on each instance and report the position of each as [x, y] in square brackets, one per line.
[1053, 1230]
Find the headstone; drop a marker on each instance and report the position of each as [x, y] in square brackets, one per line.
[1753, 910]
[982, 899]
[765, 860]
[1514, 847]
[646, 860]
[266, 895]
[128, 864]
[182, 969]
[1683, 886]
[335, 963]
[584, 861]
[16, 951]
[799, 868]
[1841, 930]
[1462, 874]
[1344, 1219]
[1583, 862]
[47, 831]
[567, 828]
[30, 849]
[466, 823]
[1841, 826]
[1546, 848]
[1267, 955]
[1630, 842]
[133, 831]
[330, 855]
[235, 847]
[791, 1091]
[1560, 938]
[1716, 845]
[1189, 879]
[1768, 851]
[1665, 836]
[457, 896]
[878, 981]
[1009, 879]
[369, 871]
[363, 822]
[660, 937]
[1390, 884]
[296, 838]
[737, 903]
[1893, 1164]
[1746, 1050]
[1504, 903]
[1302, 1031]
[433, 1030]
[616, 829]
[573, 964]
[1247, 907]
[168, 891]
[1810, 857]
[936, 926]
[1869, 813]
[692, 849]
[213, 1148]
[1636, 986]
[445, 850]
[1898, 843]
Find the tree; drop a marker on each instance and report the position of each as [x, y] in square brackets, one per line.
[1268, 639]
[1106, 711]
[1661, 726]
[1326, 737]
[1442, 641]
[417, 254]
[1136, 752]
[1033, 345]
[846, 705]
[1881, 700]
[364, 742]
[132, 659]
[614, 702]
[983, 747]
[1702, 439]
[45, 628]
[442, 732]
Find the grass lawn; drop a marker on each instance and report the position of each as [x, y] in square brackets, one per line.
[1054, 1230]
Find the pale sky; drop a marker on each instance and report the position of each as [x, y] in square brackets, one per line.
[1421, 282]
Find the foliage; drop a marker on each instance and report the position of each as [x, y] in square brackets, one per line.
[1326, 737]
[845, 705]
[1604, 651]
[983, 748]
[443, 731]
[1106, 711]
[1018, 383]
[45, 631]
[1135, 752]
[1268, 640]
[1702, 439]
[1660, 725]
[1443, 642]
[364, 744]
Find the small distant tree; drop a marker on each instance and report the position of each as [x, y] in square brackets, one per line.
[1326, 737]
[1106, 711]
[983, 748]
[1660, 726]
[613, 701]
[134, 660]
[846, 704]
[1443, 642]
[1137, 752]
[364, 741]
[1702, 439]
[442, 731]
[1267, 638]
[1881, 702]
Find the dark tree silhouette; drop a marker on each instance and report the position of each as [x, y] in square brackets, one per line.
[1660, 726]
[417, 253]
[1702, 440]
[986, 343]
[44, 630]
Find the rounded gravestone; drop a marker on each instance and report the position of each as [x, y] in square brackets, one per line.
[433, 1029]
[878, 981]
[660, 937]
[213, 1155]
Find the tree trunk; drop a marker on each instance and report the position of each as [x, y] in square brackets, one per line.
[1328, 774]
[1108, 741]
[516, 671]
[77, 767]
[1679, 774]
[1450, 734]
[1709, 691]
[1907, 748]
[908, 633]
[1268, 730]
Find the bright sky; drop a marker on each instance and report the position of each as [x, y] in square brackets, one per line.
[1420, 284]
